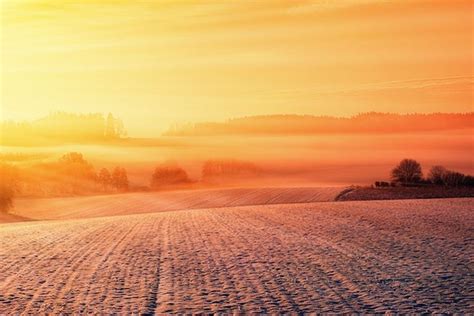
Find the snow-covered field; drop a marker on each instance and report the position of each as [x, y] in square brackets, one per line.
[371, 256]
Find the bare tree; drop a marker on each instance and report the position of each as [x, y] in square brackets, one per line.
[407, 172]
[437, 175]
[454, 179]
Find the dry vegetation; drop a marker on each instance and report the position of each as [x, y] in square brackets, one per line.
[400, 256]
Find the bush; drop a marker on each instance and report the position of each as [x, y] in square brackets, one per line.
[169, 175]
[381, 184]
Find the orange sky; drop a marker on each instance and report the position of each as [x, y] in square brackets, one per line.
[158, 62]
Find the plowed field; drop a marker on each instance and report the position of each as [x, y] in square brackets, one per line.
[136, 203]
[400, 256]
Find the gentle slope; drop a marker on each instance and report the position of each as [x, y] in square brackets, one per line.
[408, 256]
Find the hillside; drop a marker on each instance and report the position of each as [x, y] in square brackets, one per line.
[354, 257]
[136, 203]
[403, 193]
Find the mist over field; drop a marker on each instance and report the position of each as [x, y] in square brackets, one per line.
[289, 150]
[236, 157]
[324, 160]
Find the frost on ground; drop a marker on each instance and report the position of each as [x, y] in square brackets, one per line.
[401, 256]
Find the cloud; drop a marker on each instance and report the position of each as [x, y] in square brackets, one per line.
[439, 85]
[424, 83]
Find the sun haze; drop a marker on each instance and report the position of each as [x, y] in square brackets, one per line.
[236, 157]
[158, 62]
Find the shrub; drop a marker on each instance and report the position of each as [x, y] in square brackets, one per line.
[168, 175]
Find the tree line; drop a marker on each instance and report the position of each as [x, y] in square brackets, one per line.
[172, 175]
[71, 174]
[77, 172]
[409, 173]
[60, 127]
[372, 122]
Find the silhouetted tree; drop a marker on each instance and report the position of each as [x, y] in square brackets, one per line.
[437, 175]
[104, 178]
[407, 172]
[468, 180]
[168, 175]
[120, 179]
[453, 179]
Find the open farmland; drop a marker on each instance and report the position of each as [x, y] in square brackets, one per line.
[400, 256]
[403, 193]
[11, 218]
[136, 203]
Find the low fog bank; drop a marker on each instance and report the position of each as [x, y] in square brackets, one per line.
[232, 161]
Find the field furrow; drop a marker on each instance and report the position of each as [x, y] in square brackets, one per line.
[401, 256]
[138, 203]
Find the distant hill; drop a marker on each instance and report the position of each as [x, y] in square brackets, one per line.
[307, 124]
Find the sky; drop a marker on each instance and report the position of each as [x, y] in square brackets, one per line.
[155, 63]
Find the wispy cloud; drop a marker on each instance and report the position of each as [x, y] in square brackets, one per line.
[440, 85]
[326, 5]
